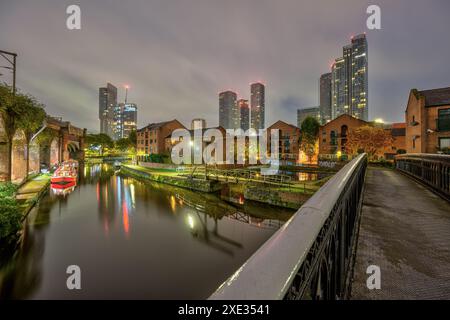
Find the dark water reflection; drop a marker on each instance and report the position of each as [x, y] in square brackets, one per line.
[134, 240]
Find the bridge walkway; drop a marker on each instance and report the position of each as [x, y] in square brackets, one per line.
[405, 230]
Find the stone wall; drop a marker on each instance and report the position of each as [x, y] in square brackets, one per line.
[293, 200]
[183, 182]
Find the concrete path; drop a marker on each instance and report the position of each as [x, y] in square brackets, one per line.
[405, 230]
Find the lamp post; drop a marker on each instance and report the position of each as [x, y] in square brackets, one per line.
[12, 60]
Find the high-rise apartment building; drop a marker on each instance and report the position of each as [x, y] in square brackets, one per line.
[107, 105]
[257, 106]
[244, 114]
[229, 116]
[325, 98]
[349, 81]
[125, 120]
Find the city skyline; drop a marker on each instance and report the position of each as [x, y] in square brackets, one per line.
[169, 74]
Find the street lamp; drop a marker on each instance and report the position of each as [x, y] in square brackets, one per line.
[13, 63]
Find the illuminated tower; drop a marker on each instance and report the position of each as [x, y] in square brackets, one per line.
[228, 110]
[257, 106]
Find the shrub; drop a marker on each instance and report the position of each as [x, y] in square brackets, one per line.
[10, 215]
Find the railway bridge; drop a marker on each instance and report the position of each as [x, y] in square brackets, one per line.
[57, 141]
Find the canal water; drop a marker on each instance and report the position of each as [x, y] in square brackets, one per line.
[133, 241]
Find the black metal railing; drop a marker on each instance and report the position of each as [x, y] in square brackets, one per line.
[312, 255]
[431, 169]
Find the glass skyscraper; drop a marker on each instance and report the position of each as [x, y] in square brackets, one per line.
[107, 104]
[125, 120]
[349, 81]
[257, 106]
[229, 116]
[325, 97]
[244, 114]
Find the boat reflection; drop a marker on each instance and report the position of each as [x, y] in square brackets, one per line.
[63, 189]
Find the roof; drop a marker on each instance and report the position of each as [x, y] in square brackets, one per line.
[435, 97]
[156, 125]
[280, 121]
[346, 116]
[191, 132]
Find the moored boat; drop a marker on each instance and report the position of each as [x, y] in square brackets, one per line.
[67, 172]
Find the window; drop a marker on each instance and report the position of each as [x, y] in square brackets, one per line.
[444, 143]
[333, 138]
[443, 121]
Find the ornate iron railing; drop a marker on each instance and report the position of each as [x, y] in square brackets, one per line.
[312, 255]
[431, 169]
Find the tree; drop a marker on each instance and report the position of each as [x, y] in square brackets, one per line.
[30, 122]
[309, 131]
[368, 139]
[11, 108]
[124, 144]
[133, 138]
[99, 142]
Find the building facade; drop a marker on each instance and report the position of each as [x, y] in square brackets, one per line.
[257, 105]
[244, 112]
[349, 83]
[151, 139]
[302, 114]
[125, 120]
[428, 121]
[289, 139]
[333, 136]
[228, 110]
[107, 105]
[339, 89]
[325, 97]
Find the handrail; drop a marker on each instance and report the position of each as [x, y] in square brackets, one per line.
[270, 271]
[433, 170]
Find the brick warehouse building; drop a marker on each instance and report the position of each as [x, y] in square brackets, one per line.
[289, 138]
[333, 136]
[427, 118]
[151, 138]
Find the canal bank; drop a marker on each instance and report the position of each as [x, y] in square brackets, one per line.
[290, 195]
[30, 192]
[171, 178]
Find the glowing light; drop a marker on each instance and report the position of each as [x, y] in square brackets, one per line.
[127, 86]
[191, 143]
[379, 120]
[190, 222]
[173, 203]
[126, 222]
[132, 192]
[339, 154]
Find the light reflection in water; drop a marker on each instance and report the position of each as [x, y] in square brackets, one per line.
[150, 233]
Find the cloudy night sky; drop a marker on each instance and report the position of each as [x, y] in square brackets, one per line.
[177, 55]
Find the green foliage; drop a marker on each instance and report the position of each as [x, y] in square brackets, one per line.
[401, 151]
[32, 117]
[133, 138]
[99, 142]
[310, 127]
[309, 131]
[157, 158]
[10, 215]
[124, 144]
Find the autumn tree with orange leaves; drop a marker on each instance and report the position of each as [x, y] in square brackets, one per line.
[368, 139]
